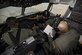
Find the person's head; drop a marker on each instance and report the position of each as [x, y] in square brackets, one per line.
[63, 26]
[11, 22]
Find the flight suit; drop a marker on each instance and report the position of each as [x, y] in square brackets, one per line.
[64, 44]
[24, 34]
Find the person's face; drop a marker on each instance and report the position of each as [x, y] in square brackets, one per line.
[12, 24]
[63, 26]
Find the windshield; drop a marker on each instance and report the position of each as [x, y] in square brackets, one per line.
[71, 3]
[16, 11]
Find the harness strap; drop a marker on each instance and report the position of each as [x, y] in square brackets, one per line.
[16, 39]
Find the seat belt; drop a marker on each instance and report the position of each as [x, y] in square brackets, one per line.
[13, 39]
[16, 39]
[18, 35]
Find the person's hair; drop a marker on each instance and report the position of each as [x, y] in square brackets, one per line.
[63, 26]
[11, 19]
